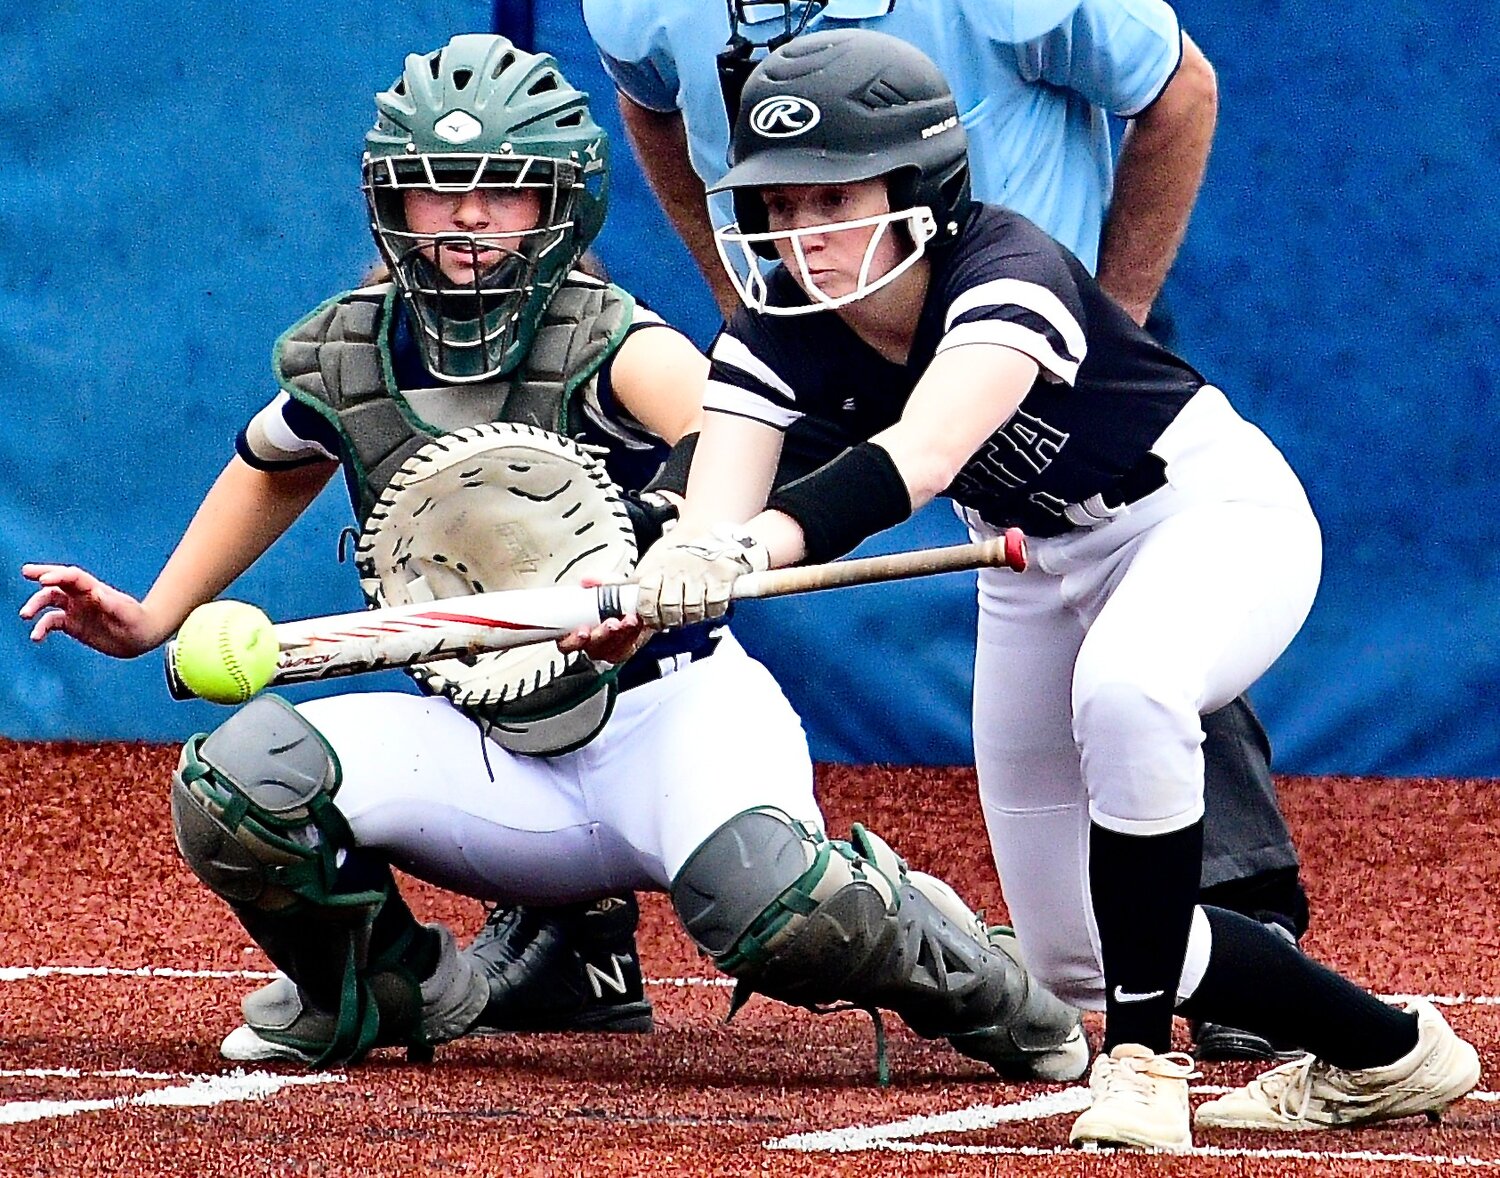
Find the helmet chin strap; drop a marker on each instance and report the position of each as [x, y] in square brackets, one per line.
[739, 57]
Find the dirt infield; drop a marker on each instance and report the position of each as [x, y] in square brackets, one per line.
[119, 975]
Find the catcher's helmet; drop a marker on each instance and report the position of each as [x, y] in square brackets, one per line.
[480, 113]
[842, 106]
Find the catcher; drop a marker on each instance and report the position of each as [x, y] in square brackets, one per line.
[482, 406]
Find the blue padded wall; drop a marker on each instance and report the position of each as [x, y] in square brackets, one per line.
[181, 185]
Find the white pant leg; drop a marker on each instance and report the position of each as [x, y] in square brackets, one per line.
[1030, 787]
[1188, 598]
[679, 757]
[417, 786]
[1201, 605]
[683, 755]
[1174, 607]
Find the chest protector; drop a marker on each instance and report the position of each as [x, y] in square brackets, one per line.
[337, 361]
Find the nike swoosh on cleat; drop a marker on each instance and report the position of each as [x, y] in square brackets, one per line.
[1123, 995]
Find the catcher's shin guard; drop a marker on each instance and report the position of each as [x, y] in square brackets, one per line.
[283, 1022]
[817, 922]
[253, 815]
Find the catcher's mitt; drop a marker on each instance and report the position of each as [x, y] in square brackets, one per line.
[503, 506]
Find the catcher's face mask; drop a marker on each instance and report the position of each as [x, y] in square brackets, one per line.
[465, 238]
[480, 118]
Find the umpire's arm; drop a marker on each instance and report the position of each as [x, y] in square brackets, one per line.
[659, 139]
[1160, 168]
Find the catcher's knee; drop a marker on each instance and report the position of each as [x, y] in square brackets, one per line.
[776, 903]
[252, 809]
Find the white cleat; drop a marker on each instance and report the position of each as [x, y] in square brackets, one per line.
[1310, 1094]
[1139, 1100]
[243, 1045]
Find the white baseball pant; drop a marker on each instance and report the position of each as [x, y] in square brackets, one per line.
[1094, 667]
[680, 756]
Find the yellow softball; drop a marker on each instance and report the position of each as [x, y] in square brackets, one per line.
[225, 652]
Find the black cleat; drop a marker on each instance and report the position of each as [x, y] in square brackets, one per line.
[570, 968]
[1217, 1043]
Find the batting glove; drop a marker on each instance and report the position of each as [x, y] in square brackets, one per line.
[691, 581]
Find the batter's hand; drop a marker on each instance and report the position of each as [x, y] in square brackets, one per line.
[688, 581]
[79, 604]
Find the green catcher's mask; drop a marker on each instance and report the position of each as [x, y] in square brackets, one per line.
[481, 114]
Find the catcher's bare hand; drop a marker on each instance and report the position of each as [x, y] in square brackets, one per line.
[687, 581]
[80, 605]
[612, 641]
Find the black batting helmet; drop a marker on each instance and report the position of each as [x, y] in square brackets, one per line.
[846, 105]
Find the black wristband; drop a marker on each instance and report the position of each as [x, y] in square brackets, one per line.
[649, 513]
[845, 502]
[673, 475]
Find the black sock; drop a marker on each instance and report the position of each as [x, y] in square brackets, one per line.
[1256, 980]
[1144, 890]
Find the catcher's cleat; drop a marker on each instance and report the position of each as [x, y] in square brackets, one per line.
[1048, 1043]
[1057, 1065]
[571, 968]
[1220, 1043]
[281, 1024]
[1312, 1094]
[1138, 1100]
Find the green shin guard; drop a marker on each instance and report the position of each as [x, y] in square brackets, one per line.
[818, 923]
[253, 816]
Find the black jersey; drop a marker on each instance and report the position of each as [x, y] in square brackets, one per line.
[1105, 392]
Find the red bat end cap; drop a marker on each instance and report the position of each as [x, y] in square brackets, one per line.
[1015, 549]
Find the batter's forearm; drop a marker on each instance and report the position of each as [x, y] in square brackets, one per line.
[660, 143]
[1162, 161]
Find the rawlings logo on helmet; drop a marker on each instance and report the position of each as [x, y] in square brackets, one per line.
[784, 115]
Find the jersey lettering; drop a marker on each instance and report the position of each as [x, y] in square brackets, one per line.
[1036, 442]
[1051, 504]
[1024, 447]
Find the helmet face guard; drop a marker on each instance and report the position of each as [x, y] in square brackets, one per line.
[741, 253]
[480, 114]
[467, 328]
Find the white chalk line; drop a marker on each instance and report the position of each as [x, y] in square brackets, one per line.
[895, 1137]
[194, 1091]
[24, 973]
[900, 1136]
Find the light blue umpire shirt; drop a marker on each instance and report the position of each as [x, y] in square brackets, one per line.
[1035, 80]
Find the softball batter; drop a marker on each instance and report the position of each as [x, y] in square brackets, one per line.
[1174, 557]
